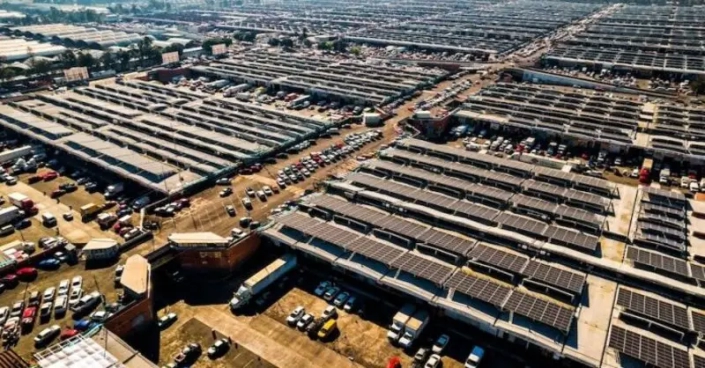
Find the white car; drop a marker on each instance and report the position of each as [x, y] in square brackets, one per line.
[267, 190]
[60, 305]
[75, 296]
[329, 312]
[76, 282]
[433, 361]
[47, 335]
[322, 287]
[350, 304]
[304, 321]
[295, 315]
[694, 187]
[48, 295]
[4, 313]
[440, 344]
[64, 286]
[99, 316]
[17, 309]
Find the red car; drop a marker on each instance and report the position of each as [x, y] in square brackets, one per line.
[28, 316]
[34, 179]
[51, 175]
[27, 273]
[246, 171]
[68, 333]
[125, 230]
[57, 193]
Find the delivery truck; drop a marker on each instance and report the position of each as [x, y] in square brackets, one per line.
[89, 210]
[399, 321]
[413, 328]
[14, 154]
[9, 215]
[261, 280]
[20, 201]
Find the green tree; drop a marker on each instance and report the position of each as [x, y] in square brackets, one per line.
[325, 45]
[124, 58]
[68, 59]
[274, 42]
[86, 59]
[307, 43]
[355, 50]
[144, 47]
[7, 73]
[287, 43]
[39, 67]
[107, 60]
[175, 47]
[698, 85]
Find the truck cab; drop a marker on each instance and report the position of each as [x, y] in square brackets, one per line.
[413, 328]
[399, 322]
[475, 357]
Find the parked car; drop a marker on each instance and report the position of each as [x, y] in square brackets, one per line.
[27, 273]
[331, 293]
[190, 352]
[304, 321]
[60, 306]
[218, 348]
[341, 299]
[166, 320]
[329, 312]
[322, 287]
[433, 361]
[295, 315]
[47, 335]
[440, 344]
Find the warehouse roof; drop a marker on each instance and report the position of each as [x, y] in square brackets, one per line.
[135, 276]
[100, 244]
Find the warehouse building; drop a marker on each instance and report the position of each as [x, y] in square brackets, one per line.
[465, 234]
[75, 36]
[18, 49]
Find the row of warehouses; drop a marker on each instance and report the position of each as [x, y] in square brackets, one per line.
[492, 242]
[161, 137]
[643, 40]
[73, 35]
[348, 80]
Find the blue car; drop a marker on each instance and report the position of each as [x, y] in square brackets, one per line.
[84, 324]
[49, 263]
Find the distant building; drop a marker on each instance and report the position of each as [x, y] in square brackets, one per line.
[208, 252]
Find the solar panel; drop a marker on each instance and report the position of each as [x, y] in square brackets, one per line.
[647, 349]
[698, 321]
[298, 221]
[662, 231]
[521, 224]
[659, 261]
[670, 196]
[581, 216]
[657, 310]
[660, 241]
[481, 289]
[554, 276]
[499, 258]
[400, 226]
[446, 241]
[473, 211]
[490, 193]
[548, 190]
[698, 361]
[375, 250]
[540, 310]
[347, 209]
[573, 239]
[655, 218]
[697, 271]
[434, 271]
[534, 204]
[582, 198]
[663, 210]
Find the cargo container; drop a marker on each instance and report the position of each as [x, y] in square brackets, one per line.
[261, 280]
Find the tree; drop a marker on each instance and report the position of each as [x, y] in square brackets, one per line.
[68, 59]
[144, 47]
[325, 45]
[107, 60]
[124, 57]
[304, 34]
[355, 50]
[274, 42]
[175, 47]
[86, 59]
[698, 85]
[287, 43]
[7, 73]
[307, 43]
[39, 67]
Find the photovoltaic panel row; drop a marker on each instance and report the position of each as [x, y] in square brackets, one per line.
[658, 261]
[540, 310]
[665, 197]
[297, 221]
[698, 321]
[658, 240]
[586, 181]
[417, 174]
[447, 242]
[379, 184]
[434, 271]
[573, 239]
[647, 350]
[534, 204]
[499, 258]
[473, 211]
[375, 250]
[655, 218]
[554, 276]
[697, 271]
[594, 200]
[481, 289]
[332, 234]
[579, 215]
[668, 232]
[521, 224]
[347, 209]
[658, 310]
[678, 214]
[402, 227]
[698, 361]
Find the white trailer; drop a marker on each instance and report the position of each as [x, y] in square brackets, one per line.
[261, 280]
[13, 154]
[399, 321]
[413, 328]
[8, 215]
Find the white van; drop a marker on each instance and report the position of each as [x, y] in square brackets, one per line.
[48, 219]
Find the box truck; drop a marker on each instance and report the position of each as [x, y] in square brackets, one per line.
[413, 328]
[89, 210]
[261, 280]
[9, 215]
[20, 201]
[399, 321]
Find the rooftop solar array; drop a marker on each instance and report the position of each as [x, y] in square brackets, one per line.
[349, 210]
[666, 235]
[481, 289]
[655, 309]
[540, 310]
[554, 276]
[499, 258]
[647, 350]
[658, 262]
[422, 267]
[698, 321]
